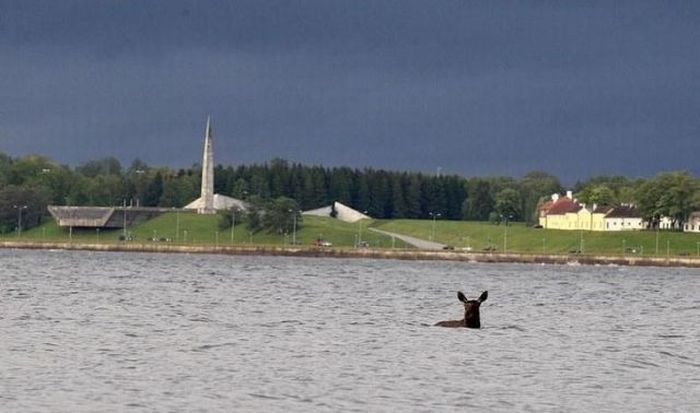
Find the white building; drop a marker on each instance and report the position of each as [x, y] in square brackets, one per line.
[668, 223]
[623, 218]
[693, 222]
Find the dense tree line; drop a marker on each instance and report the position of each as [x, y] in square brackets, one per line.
[35, 181]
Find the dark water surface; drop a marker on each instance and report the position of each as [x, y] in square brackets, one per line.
[84, 331]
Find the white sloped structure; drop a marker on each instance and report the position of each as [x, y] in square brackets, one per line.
[343, 213]
[220, 203]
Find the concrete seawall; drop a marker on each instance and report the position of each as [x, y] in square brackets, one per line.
[400, 254]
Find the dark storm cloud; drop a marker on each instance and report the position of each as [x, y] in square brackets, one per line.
[471, 87]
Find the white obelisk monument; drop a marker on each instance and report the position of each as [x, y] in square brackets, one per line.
[207, 193]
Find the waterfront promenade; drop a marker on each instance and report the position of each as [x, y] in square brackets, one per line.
[367, 253]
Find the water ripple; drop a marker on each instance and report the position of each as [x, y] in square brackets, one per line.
[145, 332]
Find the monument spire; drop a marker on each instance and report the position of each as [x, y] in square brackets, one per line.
[207, 132]
[207, 192]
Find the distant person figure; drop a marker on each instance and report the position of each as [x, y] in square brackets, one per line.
[471, 312]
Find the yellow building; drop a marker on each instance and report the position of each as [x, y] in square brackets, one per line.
[598, 218]
[560, 213]
[567, 214]
[593, 218]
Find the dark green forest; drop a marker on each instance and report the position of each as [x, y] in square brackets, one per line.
[30, 183]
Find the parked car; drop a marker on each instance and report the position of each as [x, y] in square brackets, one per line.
[321, 243]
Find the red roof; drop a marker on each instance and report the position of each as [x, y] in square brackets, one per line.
[563, 206]
[544, 208]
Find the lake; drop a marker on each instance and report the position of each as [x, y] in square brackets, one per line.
[85, 331]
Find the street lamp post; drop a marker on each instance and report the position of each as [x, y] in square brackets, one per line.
[435, 216]
[177, 224]
[580, 246]
[657, 238]
[294, 225]
[124, 222]
[505, 232]
[70, 219]
[359, 231]
[19, 218]
[233, 223]
[294, 229]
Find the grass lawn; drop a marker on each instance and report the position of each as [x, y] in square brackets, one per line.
[204, 229]
[520, 238]
[191, 228]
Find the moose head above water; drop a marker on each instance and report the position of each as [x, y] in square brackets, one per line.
[471, 312]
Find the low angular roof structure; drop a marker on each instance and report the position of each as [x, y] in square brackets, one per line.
[343, 213]
[102, 217]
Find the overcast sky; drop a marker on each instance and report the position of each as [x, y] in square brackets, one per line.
[471, 87]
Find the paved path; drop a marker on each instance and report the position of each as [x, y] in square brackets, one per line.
[416, 242]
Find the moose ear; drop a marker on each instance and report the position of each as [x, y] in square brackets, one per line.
[483, 296]
[461, 297]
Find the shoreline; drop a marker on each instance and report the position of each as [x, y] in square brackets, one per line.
[399, 254]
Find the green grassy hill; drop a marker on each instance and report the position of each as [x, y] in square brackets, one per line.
[191, 228]
[520, 238]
